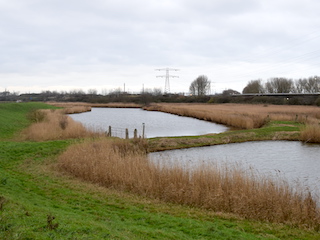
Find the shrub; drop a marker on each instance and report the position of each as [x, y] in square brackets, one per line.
[36, 115]
[317, 102]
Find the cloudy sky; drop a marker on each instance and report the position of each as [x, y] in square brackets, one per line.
[104, 45]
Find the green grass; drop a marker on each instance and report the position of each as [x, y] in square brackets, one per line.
[13, 117]
[30, 190]
[274, 130]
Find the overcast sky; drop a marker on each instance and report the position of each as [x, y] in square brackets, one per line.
[104, 44]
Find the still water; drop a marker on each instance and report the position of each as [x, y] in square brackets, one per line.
[157, 124]
[294, 161]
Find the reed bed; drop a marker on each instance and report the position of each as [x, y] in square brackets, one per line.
[244, 116]
[76, 109]
[311, 133]
[121, 165]
[55, 125]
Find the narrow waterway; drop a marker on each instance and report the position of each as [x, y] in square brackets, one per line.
[157, 124]
[295, 161]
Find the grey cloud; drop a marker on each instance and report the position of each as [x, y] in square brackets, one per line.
[58, 36]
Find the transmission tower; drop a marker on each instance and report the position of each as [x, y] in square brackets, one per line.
[167, 76]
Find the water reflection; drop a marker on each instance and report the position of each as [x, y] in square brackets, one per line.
[157, 124]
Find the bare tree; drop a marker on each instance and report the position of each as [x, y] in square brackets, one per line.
[300, 85]
[92, 92]
[157, 92]
[200, 86]
[254, 86]
[279, 85]
[310, 85]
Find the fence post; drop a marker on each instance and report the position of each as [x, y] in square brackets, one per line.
[109, 132]
[143, 128]
[127, 133]
[135, 133]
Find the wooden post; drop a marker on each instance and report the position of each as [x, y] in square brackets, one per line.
[109, 132]
[127, 133]
[135, 133]
[143, 128]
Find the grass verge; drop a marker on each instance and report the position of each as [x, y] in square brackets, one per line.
[13, 117]
[274, 130]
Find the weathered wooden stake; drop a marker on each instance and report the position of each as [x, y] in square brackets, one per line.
[127, 133]
[135, 133]
[109, 132]
[143, 128]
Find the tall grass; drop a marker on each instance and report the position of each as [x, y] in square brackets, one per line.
[55, 125]
[76, 109]
[244, 116]
[121, 165]
[311, 133]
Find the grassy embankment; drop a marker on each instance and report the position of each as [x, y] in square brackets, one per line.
[31, 190]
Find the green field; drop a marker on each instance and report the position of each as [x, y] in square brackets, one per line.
[31, 190]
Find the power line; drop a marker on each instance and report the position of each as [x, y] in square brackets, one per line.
[167, 76]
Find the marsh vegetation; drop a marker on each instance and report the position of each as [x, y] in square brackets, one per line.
[248, 116]
[122, 166]
[54, 124]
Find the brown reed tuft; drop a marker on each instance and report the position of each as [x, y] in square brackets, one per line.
[310, 133]
[76, 109]
[122, 165]
[55, 125]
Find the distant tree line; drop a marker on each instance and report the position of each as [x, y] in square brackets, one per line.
[284, 85]
[199, 92]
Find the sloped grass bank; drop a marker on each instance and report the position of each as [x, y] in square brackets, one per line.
[31, 191]
[14, 117]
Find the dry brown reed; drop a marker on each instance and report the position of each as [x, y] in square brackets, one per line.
[98, 105]
[76, 109]
[244, 116]
[56, 126]
[310, 133]
[122, 165]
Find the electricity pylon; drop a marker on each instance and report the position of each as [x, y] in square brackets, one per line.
[167, 76]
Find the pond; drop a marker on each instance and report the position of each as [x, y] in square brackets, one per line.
[157, 124]
[295, 161]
